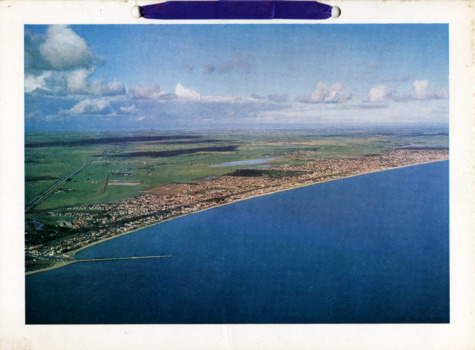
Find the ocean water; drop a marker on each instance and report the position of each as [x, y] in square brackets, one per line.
[367, 249]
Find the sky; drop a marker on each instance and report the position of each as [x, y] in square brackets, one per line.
[234, 76]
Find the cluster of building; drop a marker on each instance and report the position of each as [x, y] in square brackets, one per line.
[101, 221]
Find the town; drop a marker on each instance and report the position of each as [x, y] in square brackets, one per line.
[93, 223]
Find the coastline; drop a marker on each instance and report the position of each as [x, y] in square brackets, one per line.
[72, 253]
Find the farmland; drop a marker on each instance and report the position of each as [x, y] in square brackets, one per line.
[147, 161]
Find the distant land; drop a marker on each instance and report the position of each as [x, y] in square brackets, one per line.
[83, 188]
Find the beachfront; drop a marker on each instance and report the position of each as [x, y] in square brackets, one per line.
[99, 222]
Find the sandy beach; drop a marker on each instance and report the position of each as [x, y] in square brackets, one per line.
[72, 253]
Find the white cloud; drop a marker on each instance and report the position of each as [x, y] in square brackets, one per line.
[378, 94]
[420, 91]
[76, 82]
[327, 94]
[129, 109]
[114, 87]
[218, 99]
[36, 82]
[140, 118]
[185, 93]
[144, 92]
[88, 106]
[63, 49]
[61, 62]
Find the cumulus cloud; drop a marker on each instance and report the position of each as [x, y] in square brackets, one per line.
[153, 92]
[115, 87]
[378, 94]
[89, 106]
[64, 49]
[78, 82]
[33, 83]
[61, 62]
[185, 93]
[60, 48]
[421, 92]
[327, 94]
[238, 61]
[144, 92]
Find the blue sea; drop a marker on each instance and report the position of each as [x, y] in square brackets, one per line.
[368, 249]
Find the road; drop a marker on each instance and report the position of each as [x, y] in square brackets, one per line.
[50, 190]
[57, 185]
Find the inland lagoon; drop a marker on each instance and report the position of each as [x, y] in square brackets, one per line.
[367, 249]
[246, 162]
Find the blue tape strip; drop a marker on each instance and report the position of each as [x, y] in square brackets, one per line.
[237, 10]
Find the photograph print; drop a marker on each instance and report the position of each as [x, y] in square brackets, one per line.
[236, 174]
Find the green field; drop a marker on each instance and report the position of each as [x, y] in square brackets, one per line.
[133, 164]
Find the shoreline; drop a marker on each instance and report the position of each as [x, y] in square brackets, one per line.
[72, 253]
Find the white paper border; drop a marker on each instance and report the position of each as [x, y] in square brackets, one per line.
[459, 334]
